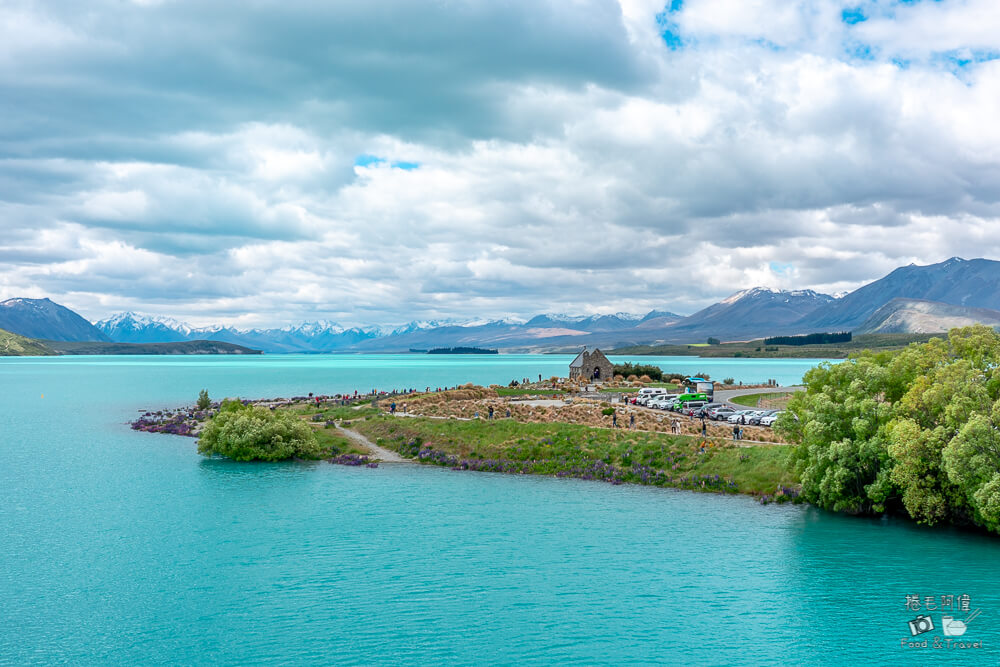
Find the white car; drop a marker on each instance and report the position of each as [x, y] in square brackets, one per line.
[667, 402]
[735, 418]
[769, 419]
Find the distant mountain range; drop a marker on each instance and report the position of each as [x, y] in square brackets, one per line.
[15, 345]
[308, 337]
[911, 299]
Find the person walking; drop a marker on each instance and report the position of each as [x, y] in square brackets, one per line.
[704, 429]
[614, 420]
[508, 413]
[392, 408]
[491, 413]
[631, 421]
[736, 432]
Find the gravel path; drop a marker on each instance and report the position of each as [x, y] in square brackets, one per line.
[381, 453]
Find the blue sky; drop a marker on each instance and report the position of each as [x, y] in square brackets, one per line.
[372, 163]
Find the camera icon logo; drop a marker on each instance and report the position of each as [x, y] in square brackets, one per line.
[920, 625]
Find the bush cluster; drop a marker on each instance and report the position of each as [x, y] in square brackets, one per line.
[251, 433]
[914, 431]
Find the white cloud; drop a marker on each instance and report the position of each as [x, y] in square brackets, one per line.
[203, 167]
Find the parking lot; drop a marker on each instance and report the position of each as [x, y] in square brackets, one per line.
[717, 407]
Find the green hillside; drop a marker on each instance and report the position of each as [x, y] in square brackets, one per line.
[758, 349]
[12, 345]
[183, 347]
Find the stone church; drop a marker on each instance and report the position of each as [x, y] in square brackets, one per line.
[591, 366]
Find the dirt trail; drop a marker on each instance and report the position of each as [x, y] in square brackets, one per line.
[381, 453]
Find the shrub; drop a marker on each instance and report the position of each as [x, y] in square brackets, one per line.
[204, 402]
[249, 433]
[607, 412]
[728, 381]
[630, 369]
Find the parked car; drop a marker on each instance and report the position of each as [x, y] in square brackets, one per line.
[692, 408]
[720, 414]
[662, 402]
[708, 406]
[768, 420]
[755, 419]
[735, 417]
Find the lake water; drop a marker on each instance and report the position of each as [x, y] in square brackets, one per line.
[118, 547]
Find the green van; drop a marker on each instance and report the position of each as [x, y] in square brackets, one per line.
[684, 398]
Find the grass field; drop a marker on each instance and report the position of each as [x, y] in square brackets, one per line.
[332, 439]
[754, 400]
[578, 451]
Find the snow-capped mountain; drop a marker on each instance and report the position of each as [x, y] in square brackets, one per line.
[133, 328]
[321, 336]
[758, 311]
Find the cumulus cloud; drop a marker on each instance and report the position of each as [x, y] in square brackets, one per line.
[374, 163]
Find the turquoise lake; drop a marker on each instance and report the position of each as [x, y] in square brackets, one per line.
[119, 547]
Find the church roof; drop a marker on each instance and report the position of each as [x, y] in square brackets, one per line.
[578, 362]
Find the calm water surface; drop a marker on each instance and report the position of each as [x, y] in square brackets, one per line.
[119, 547]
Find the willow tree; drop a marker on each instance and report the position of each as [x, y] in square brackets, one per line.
[252, 433]
[918, 429]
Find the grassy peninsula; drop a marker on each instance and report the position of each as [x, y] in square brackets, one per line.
[528, 434]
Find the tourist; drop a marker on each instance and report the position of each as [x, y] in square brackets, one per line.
[614, 420]
[631, 421]
[736, 432]
[491, 413]
[392, 408]
[704, 429]
[508, 413]
[741, 433]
